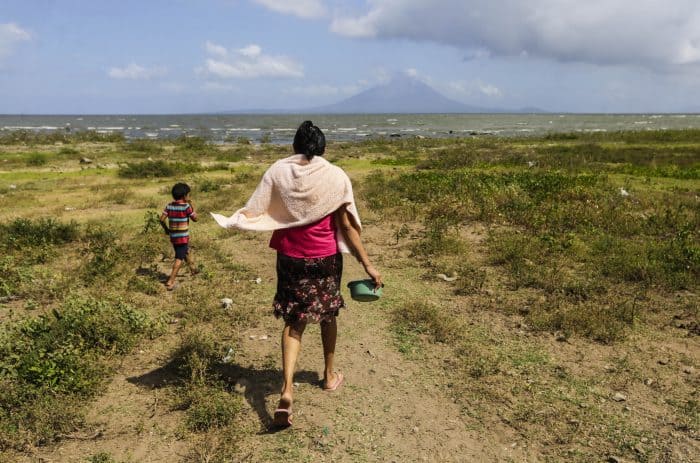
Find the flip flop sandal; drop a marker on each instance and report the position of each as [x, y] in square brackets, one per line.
[282, 418]
[338, 381]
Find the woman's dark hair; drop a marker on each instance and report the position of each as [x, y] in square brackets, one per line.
[309, 140]
[180, 190]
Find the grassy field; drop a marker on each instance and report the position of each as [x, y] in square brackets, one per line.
[544, 289]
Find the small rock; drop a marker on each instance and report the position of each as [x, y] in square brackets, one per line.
[648, 381]
[415, 430]
[13, 187]
[174, 320]
[639, 449]
[614, 459]
[226, 303]
[229, 356]
[688, 370]
[623, 192]
[85, 161]
[263, 337]
[619, 397]
[561, 337]
[69, 208]
[663, 361]
[524, 310]
[644, 440]
[253, 337]
[258, 280]
[609, 368]
[446, 278]
[295, 384]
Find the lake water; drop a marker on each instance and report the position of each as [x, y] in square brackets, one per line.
[347, 127]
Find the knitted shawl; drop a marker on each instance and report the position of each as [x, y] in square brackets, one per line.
[295, 192]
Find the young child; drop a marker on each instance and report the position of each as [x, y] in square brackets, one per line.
[178, 214]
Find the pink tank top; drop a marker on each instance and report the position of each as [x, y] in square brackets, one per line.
[308, 241]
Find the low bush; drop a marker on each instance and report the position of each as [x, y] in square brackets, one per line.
[52, 363]
[23, 233]
[426, 319]
[209, 407]
[156, 169]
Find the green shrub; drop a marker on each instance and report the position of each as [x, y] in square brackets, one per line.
[24, 233]
[426, 319]
[52, 363]
[144, 146]
[101, 252]
[196, 357]
[156, 169]
[37, 159]
[210, 407]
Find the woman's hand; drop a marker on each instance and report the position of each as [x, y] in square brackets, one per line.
[376, 277]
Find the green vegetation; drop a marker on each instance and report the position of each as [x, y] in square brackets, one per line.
[533, 278]
[155, 169]
[51, 363]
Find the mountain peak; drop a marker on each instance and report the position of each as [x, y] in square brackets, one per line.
[402, 94]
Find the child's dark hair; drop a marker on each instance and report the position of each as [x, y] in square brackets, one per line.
[180, 190]
[309, 140]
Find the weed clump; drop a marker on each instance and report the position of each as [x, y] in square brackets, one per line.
[50, 364]
[157, 169]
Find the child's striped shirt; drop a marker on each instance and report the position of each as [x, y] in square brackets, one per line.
[179, 213]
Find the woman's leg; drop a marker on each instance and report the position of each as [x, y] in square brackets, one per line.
[329, 334]
[291, 345]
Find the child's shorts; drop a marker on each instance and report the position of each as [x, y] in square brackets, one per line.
[181, 251]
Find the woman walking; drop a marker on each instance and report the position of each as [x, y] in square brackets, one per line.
[309, 204]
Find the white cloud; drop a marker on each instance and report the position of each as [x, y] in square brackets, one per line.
[135, 72]
[251, 51]
[248, 62]
[471, 88]
[653, 33]
[215, 49]
[218, 87]
[10, 35]
[302, 8]
[325, 90]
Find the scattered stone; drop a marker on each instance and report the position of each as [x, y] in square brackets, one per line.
[609, 368]
[174, 320]
[226, 303]
[240, 386]
[253, 337]
[229, 356]
[257, 281]
[13, 187]
[619, 397]
[263, 337]
[524, 310]
[644, 440]
[663, 361]
[446, 278]
[639, 449]
[688, 370]
[85, 161]
[623, 192]
[415, 430]
[561, 337]
[648, 381]
[69, 208]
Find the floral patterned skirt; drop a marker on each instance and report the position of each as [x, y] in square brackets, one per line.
[308, 289]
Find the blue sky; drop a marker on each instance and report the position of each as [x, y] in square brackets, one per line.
[180, 56]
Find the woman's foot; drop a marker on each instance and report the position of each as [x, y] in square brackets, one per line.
[283, 414]
[333, 381]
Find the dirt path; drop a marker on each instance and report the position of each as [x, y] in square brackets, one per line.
[392, 407]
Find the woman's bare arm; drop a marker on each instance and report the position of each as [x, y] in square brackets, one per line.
[352, 236]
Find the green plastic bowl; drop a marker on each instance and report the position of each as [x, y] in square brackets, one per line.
[363, 290]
